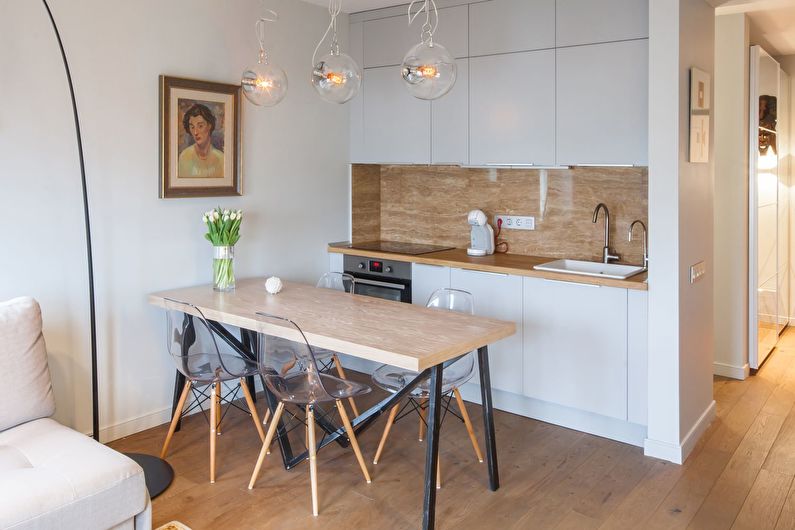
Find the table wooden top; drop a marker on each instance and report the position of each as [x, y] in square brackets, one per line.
[394, 333]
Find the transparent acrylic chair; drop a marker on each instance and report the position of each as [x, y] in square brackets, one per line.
[192, 346]
[300, 382]
[394, 379]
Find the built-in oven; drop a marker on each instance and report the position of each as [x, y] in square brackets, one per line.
[387, 279]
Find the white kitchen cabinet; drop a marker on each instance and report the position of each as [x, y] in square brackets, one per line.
[512, 109]
[575, 346]
[503, 26]
[497, 296]
[396, 126]
[450, 121]
[602, 103]
[589, 21]
[386, 40]
[425, 279]
[356, 105]
[637, 357]
[335, 262]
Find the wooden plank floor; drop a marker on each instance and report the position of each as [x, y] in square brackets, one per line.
[740, 474]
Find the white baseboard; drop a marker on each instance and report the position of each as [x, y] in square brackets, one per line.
[678, 453]
[731, 370]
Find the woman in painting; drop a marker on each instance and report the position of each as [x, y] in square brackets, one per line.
[201, 159]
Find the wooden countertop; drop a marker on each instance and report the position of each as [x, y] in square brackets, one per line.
[516, 264]
[402, 335]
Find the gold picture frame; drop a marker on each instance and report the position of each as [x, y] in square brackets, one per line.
[200, 126]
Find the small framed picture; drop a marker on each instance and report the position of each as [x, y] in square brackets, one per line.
[199, 139]
[699, 115]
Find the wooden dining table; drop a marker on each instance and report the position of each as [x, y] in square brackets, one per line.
[398, 334]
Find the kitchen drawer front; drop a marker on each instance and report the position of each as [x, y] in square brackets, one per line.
[497, 296]
[575, 346]
[425, 279]
[504, 26]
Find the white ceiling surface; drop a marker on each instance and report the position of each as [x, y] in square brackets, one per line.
[772, 22]
[354, 6]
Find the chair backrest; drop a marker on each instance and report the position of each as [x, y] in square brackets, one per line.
[23, 363]
[193, 347]
[452, 300]
[292, 376]
[339, 281]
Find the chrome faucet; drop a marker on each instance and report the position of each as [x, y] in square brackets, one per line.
[607, 257]
[644, 240]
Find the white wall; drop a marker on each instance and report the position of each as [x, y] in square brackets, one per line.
[680, 216]
[731, 195]
[295, 179]
[787, 63]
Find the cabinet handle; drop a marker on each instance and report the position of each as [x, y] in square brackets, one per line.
[572, 283]
[604, 165]
[483, 272]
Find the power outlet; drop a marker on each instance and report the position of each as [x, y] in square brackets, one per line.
[516, 222]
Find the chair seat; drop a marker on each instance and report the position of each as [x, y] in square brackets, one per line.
[298, 388]
[209, 367]
[394, 379]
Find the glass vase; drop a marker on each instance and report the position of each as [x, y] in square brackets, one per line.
[224, 268]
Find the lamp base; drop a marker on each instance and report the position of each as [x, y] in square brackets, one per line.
[157, 472]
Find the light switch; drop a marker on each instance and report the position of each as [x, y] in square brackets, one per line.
[697, 271]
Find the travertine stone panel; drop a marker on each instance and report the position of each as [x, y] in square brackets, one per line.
[429, 204]
[366, 202]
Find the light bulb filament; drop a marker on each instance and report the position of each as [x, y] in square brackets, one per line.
[335, 78]
[427, 71]
[264, 83]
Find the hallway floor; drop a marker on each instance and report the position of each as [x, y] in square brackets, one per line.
[740, 475]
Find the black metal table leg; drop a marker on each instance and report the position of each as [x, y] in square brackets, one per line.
[488, 418]
[179, 384]
[247, 340]
[432, 450]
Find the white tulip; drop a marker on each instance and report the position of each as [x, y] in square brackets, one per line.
[204, 218]
[233, 216]
[226, 212]
[226, 218]
[215, 215]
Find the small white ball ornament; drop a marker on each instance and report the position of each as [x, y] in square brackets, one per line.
[273, 285]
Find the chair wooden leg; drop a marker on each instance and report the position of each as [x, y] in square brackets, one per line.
[267, 416]
[175, 419]
[213, 427]
[266, 444]
[218, 412]
[341, 373]
[468, 423]
[310, 421]
[387, 428]
[439, 474]
[354, 443]
[252, 408]
[422, 418]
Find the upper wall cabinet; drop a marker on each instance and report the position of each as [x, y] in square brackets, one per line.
[512, 109]
[502, 26]
[387, 40]
[590, 21]
[450, 121]
[602, 104]
[397, 126]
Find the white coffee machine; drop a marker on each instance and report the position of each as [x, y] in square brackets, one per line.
[481, 242]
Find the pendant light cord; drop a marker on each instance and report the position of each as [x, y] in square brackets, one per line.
[334, 9]
[428, 29]
[259, 27]
[92, 307]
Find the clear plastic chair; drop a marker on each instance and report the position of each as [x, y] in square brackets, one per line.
[192, 346]
[300, 382]
[394, 379]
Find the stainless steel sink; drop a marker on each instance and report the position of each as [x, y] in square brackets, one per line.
[591, 268]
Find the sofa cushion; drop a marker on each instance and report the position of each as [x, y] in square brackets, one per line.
[53, 477]
[23, 363]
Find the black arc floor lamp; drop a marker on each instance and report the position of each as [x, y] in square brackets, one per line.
[158, 472]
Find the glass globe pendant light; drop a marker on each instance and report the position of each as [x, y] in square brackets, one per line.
[336, 76]
[264, 84]
[428, 69]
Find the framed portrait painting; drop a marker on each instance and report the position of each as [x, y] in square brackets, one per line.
[199, 139]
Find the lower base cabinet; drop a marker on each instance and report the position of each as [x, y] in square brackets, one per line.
[575, 345]
[497, 296]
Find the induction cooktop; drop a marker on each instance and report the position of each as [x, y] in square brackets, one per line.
[398, 247]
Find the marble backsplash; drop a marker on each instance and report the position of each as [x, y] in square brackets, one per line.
[429, 204]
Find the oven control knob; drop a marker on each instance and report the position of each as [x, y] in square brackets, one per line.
[361, 265]
[388, 268]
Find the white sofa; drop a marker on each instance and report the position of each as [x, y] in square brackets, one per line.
[52, 477]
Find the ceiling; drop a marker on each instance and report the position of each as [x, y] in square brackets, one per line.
[354, 6]
[772, 22]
